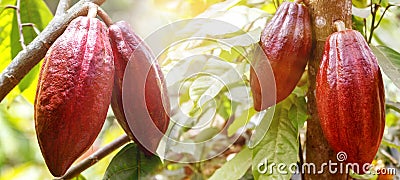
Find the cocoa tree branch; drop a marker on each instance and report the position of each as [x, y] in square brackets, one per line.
[36, 50]
[95, 157]
[62, 7]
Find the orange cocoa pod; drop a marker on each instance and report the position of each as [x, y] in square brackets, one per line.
[286, 42]
[139, 73]
[73, 93]
[350, 97]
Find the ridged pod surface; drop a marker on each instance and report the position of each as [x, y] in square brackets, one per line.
[145, 87]
[350, 97]
[74, 92]
[286, 42]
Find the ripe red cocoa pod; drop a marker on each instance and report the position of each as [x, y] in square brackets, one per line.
[286, 42]
[350, 97]
[123, 42]
[147, 98]
[74, 93]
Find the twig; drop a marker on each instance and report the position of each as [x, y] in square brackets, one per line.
[107, 20]
[21, 34]
[36, 50]
[62, 7]
[374, 10]
[390, 157]
[37, 31]
[383, 14]
[275, 4]
[10, 7]
[393, 105]
[95, 157]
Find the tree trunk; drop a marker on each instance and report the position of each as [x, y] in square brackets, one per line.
[323, 14]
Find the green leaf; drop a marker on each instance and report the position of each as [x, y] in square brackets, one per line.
[389, 61]
[360, 3]
[212, 78]
[375, 1]
[29, 79]
[31, 11]
[262, 128]
[384, 3]
[14, 134]
[298, 113]
[80, 177]
[36, 12]
[30, 92]
[358, 24]
[6, 26]
[278, 147]
[235, 168]
[233, 33]
[243, 40]
[226, 107]
[364, 176]
[205, 88]
[391, 120]
[269, 8]
[131, 163]
[206, 134]
[241, 121]
[219, 7]
[233, 54]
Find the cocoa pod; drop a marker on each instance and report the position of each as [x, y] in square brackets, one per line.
[286, 42]
[73, 93]
[148, 103]
[350, 97]
[123, 43]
